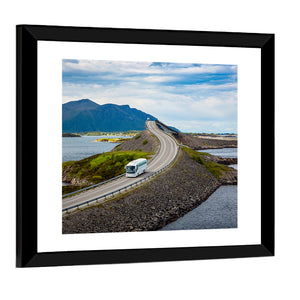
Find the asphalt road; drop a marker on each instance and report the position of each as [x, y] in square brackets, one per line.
[166, 154]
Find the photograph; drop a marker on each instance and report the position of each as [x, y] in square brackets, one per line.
[144, 145]
[148, 146]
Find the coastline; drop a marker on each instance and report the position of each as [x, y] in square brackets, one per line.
[163, 199]
[148, 208]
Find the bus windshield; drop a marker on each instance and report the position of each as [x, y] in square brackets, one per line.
[130, 169]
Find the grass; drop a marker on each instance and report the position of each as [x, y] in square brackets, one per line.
[111, 140]
[101, 167]
[214, 168]
[66, 189]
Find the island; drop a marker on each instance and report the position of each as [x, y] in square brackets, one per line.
[110, 140]
[70, 135]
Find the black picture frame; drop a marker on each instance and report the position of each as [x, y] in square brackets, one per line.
[28, 36]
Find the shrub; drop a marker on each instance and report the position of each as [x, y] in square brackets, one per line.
[101, 167]
[145, 142]
[214, 168]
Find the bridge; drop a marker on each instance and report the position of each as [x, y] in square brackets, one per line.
[165, 128]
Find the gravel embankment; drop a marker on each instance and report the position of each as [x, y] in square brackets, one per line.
[143, 141]
[151, 206]
[201, 144]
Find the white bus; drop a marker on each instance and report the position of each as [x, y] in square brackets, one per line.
[136, 167]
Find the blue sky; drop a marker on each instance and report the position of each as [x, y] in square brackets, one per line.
[191, 97]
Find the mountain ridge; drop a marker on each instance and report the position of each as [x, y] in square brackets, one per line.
[85, 115]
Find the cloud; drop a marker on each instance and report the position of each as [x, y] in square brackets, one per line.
[206, 126]
[191, 95]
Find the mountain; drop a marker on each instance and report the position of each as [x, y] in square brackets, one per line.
[85, 115]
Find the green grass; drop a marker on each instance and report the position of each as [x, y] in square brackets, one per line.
[214, 168]
[111, 140]
[66, 189]
[67, 163]
[101, 167]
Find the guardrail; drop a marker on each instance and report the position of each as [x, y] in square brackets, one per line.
[92, 186]
[165, 127]
[124, 188]
[97, 184]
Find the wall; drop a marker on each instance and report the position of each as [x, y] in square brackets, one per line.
[254, 278]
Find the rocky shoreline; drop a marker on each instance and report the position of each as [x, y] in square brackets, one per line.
[196, 143]
[155, 204]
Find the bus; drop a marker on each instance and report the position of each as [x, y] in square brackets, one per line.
[136, 167]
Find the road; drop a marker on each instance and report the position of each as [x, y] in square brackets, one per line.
[166, 154]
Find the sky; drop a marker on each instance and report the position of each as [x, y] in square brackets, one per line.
[190, 97]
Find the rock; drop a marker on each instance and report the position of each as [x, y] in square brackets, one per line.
[153, 205]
